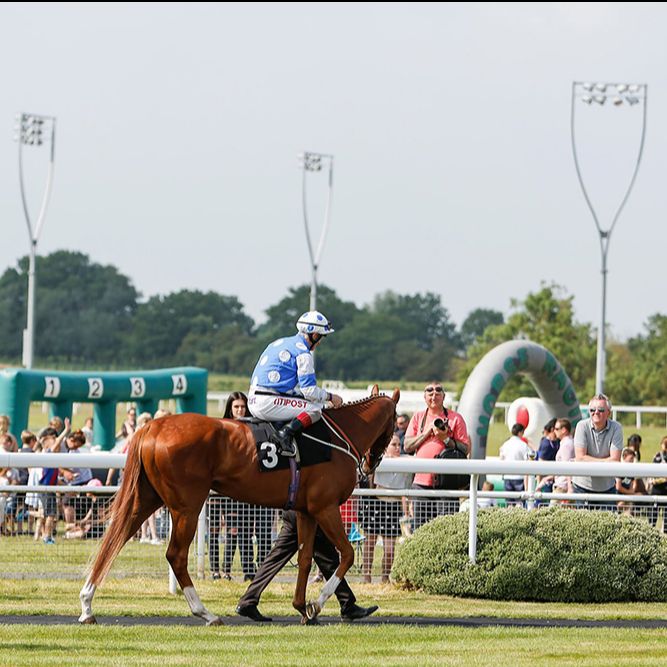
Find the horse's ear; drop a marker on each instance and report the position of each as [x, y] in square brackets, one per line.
[396, 396]
[375, 390]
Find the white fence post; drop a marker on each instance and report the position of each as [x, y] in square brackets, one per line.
[201, 540]
[530, 503]
[173, 584]
[472, 519]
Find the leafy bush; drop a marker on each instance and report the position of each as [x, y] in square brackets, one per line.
[554, 554]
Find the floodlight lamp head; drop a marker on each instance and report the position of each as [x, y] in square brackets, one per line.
[617, 101]
[621, 88]
[601, 87]
[587, 99]
[631, 100]
[634, 88]
[600, 99]
[587, 86]
[312, 162]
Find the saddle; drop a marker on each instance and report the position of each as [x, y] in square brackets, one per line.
[311, 452]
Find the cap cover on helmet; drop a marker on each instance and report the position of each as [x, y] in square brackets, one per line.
[314, 322]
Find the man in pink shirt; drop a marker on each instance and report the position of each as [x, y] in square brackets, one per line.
[428, 433]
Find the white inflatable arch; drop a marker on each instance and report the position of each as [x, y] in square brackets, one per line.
[492, 373]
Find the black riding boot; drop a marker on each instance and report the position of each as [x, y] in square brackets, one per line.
[285, 437]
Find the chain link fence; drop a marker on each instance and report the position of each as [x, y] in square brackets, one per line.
[49, 533]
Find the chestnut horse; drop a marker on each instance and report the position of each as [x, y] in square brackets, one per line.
[175, 461]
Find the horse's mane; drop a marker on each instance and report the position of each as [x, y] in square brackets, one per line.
[359, 406]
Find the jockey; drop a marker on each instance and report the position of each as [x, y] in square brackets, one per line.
[283, 383]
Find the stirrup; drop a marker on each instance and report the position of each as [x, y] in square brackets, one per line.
[287, 448]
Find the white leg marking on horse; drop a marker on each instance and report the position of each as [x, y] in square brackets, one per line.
[197, 607]
[328, 590]
[86, 597]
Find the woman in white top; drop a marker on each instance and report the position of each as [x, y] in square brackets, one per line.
[382, 516]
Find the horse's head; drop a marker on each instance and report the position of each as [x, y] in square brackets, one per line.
[377, 449]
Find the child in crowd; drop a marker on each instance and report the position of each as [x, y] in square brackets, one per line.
[91, 526]
[628, 486]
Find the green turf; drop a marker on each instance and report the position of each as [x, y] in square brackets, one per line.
[342, 645]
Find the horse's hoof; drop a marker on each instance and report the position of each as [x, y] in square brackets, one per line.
[312, 610]
[88, 620]
[215, 621]
[309, 621]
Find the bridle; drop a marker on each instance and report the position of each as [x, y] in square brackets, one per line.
[366, 463]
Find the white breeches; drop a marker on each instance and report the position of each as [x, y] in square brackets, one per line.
[282, 408]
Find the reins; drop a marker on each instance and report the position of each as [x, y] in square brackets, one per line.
[349, 449]
[330, 444]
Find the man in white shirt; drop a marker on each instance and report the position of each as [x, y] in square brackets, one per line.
[515, 449]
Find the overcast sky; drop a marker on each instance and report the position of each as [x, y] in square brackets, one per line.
[178, 129]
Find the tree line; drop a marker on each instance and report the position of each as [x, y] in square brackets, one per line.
[91, 315]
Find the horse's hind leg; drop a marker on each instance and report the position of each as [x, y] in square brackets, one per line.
[306, 536]
[119, 533]
[183, 530]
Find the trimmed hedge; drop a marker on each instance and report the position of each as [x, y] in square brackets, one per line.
[555, 554]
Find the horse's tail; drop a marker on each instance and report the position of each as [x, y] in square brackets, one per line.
[123, 507]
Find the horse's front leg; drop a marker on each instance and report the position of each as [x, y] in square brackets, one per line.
[306, 527]
[183, 530]
[331, 523]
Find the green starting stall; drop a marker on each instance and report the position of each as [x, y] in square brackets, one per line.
[19, 387]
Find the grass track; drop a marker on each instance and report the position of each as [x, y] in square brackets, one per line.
[329, 645]
[345, 645]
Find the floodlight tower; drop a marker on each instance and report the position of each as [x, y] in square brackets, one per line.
[315, 162]
[34, 130]
[619, 95]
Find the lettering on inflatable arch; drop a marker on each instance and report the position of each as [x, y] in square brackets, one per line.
[179, 384]
[137, 387]
[517, 363]
[498, 383]
[52, 387]
[550, 365]
[569, 397]
[555, 372]
[489, 402]
[483, 430]
[95, 388]
[561, 379]
[511, 365]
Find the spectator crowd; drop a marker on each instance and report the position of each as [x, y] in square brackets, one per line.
[241, 533]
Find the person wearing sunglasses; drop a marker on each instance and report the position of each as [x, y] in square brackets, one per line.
[428, 433]
[599, 439]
